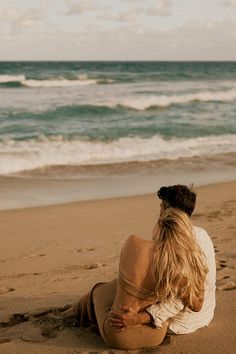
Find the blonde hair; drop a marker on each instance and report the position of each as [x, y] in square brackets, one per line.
[180, 266]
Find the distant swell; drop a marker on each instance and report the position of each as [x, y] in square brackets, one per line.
[56, 83]
[139, 103]
[22, 81]
[17, 156]
[11, 84]
[152, 102]
[11, 78]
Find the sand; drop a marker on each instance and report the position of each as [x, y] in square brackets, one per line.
[51, 255]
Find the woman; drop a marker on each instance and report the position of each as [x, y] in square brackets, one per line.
[171, 265]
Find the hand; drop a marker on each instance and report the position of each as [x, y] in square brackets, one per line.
[124, 318]
[127, 317]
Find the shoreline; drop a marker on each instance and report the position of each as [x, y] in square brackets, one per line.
[58, 185]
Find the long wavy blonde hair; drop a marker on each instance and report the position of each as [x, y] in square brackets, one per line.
[180, 265]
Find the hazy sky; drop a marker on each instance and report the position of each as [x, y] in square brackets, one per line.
[118, 29]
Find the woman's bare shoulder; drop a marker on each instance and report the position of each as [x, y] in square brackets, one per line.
[136, 244]
[137, 240]
[135, 258]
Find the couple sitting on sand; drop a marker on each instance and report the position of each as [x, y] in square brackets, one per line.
[166, 284]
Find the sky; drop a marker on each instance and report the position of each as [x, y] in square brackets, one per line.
[117, 29]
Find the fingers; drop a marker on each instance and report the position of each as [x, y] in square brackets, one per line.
[116, 320]
[117, 315]
[117, 324]
[128, 309]
[121, 319]
[124, 307]
[117, 327]
[118, 330]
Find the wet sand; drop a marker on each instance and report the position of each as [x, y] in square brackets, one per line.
[62, 184]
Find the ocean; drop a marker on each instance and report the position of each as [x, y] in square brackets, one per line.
[75, 114]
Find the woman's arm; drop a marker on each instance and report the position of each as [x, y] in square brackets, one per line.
[129, 317]
[155, 314]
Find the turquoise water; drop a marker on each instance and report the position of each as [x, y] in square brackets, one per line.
[78, 113]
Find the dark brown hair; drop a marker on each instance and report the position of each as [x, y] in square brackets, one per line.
[178, 196]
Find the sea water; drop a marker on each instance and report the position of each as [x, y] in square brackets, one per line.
[93, 113]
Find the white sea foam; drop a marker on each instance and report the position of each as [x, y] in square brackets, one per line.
[82, 77]
[17, 156]
[57, 83]
[82, 80]
[142, 103]
[11, 78]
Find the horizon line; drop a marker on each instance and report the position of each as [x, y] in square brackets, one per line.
[117, 60]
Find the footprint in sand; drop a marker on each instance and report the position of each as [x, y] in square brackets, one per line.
[33, 335]
[5, 290]
[86, 249]
[214, 215]
[223, 263]
[34, 256]
[89, 266]
[38, 325]
[14, 319]
[222, 278]
[228, 286]
[214, 237]
[50, 331]
[76, 278]
[4, 340]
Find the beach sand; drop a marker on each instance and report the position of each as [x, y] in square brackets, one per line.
[51, 255]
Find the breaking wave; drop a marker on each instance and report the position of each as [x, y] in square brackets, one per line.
[22, 81]
[17, 156]
[151, 102]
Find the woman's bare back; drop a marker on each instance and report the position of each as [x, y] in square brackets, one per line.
[136, 281]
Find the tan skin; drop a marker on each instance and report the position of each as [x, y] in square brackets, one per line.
[136, 264]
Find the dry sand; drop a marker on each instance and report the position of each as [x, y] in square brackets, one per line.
[51, 255]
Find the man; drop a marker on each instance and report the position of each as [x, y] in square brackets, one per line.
[180, 319]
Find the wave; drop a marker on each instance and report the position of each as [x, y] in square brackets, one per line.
[11, 84]
[78, 80]
[11, 78]
[47, 83]
[152, 102]
[57, 83]
[18, 156]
